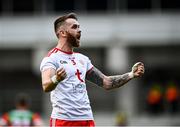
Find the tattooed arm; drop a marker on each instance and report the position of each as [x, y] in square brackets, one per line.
[107, 82]
[111, 82]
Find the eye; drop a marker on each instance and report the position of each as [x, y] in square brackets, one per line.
[75, 26]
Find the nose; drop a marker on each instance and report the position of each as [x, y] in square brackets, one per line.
[79, 31]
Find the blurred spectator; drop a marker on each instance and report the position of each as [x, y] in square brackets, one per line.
[21, 115]
[172, 97]
[154, 99]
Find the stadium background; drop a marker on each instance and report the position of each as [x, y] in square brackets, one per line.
[115, 35]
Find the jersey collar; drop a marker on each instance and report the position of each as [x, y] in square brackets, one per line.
[69, 53]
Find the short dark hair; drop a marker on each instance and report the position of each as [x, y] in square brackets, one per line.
[60, 21]
[22, 99]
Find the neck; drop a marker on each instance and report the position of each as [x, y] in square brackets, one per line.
[21, 107]
[63, 45]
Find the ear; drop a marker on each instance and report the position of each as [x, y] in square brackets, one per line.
[63, 33]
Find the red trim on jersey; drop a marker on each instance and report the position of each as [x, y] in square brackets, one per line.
[54, 50]
[89, 70]
[80, 123]
[65, 51]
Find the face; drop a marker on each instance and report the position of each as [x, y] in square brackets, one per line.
[73, 32]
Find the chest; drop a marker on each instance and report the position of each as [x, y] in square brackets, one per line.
[20, 118]
[74, 66]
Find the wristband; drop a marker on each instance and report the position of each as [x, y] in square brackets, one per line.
[131, 74]
[54, 79]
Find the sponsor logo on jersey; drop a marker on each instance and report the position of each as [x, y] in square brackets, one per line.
[63, 62]
[79, 88]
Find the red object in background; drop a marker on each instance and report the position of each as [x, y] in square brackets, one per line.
[171, 94]
[154, 96]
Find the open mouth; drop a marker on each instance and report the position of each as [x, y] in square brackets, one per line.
[78, 37]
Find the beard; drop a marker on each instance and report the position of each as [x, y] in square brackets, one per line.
[73, 41]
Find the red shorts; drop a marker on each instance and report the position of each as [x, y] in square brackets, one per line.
[60, 123]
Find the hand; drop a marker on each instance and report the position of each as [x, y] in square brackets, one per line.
[138, 69]
[60, 74]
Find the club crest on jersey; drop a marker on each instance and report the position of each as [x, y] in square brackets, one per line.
[63, 62]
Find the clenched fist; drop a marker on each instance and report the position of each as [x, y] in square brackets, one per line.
[60, 74]
[138, 69]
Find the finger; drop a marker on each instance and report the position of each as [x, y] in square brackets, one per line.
[62, 76]
[140, 73]
[140, 65]
[60, 71]
[141, 69]
[63, 73]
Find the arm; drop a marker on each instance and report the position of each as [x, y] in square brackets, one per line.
[51, 77]
[111, 82]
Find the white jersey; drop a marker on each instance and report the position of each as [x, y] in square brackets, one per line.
[69, 99]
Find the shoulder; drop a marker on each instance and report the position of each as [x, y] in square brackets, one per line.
[51, 55]
[52, 52]
[48, 59]
[82, 56]
[12, 111]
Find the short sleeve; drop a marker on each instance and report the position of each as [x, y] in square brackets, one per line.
[89, 65]
[48, 62]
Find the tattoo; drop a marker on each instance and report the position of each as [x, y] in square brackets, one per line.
[119, 80]
[95, 76]
[108, 82]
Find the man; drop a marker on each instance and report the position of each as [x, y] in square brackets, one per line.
[64, 73]
[21, 116]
